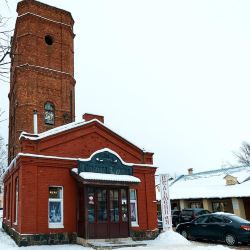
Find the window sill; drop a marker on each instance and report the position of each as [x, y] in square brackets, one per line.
[134, 225]
[55, 226]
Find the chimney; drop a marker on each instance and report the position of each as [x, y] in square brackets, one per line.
[89, 117]
[35, 122]
[190, 171]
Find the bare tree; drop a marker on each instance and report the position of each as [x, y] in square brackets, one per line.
[3, 156]
[243, 155]
[5, 37]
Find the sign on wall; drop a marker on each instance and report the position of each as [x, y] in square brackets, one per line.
[165, 203]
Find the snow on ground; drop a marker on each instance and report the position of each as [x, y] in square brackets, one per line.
[166, 240]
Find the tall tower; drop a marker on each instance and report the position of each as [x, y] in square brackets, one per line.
[42, 70]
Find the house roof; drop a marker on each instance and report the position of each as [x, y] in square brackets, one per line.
[69, 126]
[211, 184]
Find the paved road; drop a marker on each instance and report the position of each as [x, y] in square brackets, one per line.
[204, 243]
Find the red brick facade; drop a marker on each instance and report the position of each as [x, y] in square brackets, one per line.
[41, 72]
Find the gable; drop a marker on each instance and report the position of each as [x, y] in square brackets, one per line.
[82, 141]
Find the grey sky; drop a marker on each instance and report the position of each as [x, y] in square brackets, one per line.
[171, 76]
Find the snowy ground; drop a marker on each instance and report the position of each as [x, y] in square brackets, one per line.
[167, 241]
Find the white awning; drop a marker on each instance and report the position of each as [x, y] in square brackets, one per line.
[90, 176]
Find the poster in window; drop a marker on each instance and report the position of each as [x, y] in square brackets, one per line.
[133, 212]
[55, 213]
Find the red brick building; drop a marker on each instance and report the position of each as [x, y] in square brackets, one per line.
[66, 180]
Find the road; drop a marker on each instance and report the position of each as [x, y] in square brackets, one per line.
[205, 243]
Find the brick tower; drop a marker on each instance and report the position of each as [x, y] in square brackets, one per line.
[42, 70]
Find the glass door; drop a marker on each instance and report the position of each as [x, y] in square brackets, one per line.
[107, 212]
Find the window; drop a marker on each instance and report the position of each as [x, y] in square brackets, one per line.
[202, 219]
[49, 113]
[216, 219]
[124, 205]
[195, 204]
[102, 205]
[8, 217]
[114, 205]
[218, 206]
[133, 208]
[5, 202]
[16, 202]
[55, 207]
[91, 204]
[48, 39]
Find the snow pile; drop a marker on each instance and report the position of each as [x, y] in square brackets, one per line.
[170, 238]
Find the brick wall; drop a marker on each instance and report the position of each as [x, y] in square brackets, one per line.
[40, 72]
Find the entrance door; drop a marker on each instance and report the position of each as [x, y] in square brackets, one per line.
[107, 212]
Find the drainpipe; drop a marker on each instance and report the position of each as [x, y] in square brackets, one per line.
[35, 122]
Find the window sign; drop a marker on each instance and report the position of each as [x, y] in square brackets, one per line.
[133, 208]
[55, 207]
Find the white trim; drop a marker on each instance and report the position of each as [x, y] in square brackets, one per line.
[40, 67]
[13, 162]
[45, 18]
[56, 224]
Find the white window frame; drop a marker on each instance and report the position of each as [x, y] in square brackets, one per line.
[134, 223]
[56, 224]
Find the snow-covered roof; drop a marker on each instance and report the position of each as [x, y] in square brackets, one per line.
[69, 126]
[210, 184]
[13, 162]
[106, 177]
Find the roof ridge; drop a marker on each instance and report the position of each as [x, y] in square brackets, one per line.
[218, 170]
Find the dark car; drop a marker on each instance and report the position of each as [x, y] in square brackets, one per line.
[175, 217]
[217, 227]
[159, 222]
[188, 214]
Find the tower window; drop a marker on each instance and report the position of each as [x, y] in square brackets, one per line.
[48, 39]
[49, 113]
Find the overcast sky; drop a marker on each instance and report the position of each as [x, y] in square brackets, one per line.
[170, 76]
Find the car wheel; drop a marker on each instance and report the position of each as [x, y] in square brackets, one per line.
[184, 233]
[231, 239]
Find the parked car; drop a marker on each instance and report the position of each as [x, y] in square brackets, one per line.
[188, 214]
[175, 217]
[217, 227]
[159, 222]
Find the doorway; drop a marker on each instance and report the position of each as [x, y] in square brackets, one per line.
[106, 212]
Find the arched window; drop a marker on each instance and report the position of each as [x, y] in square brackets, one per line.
[49, 113]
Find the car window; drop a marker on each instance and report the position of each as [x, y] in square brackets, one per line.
[202, 219]
[187, 212]
[176, 212]
[226, 220]
[203, 212]
[216, 219]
